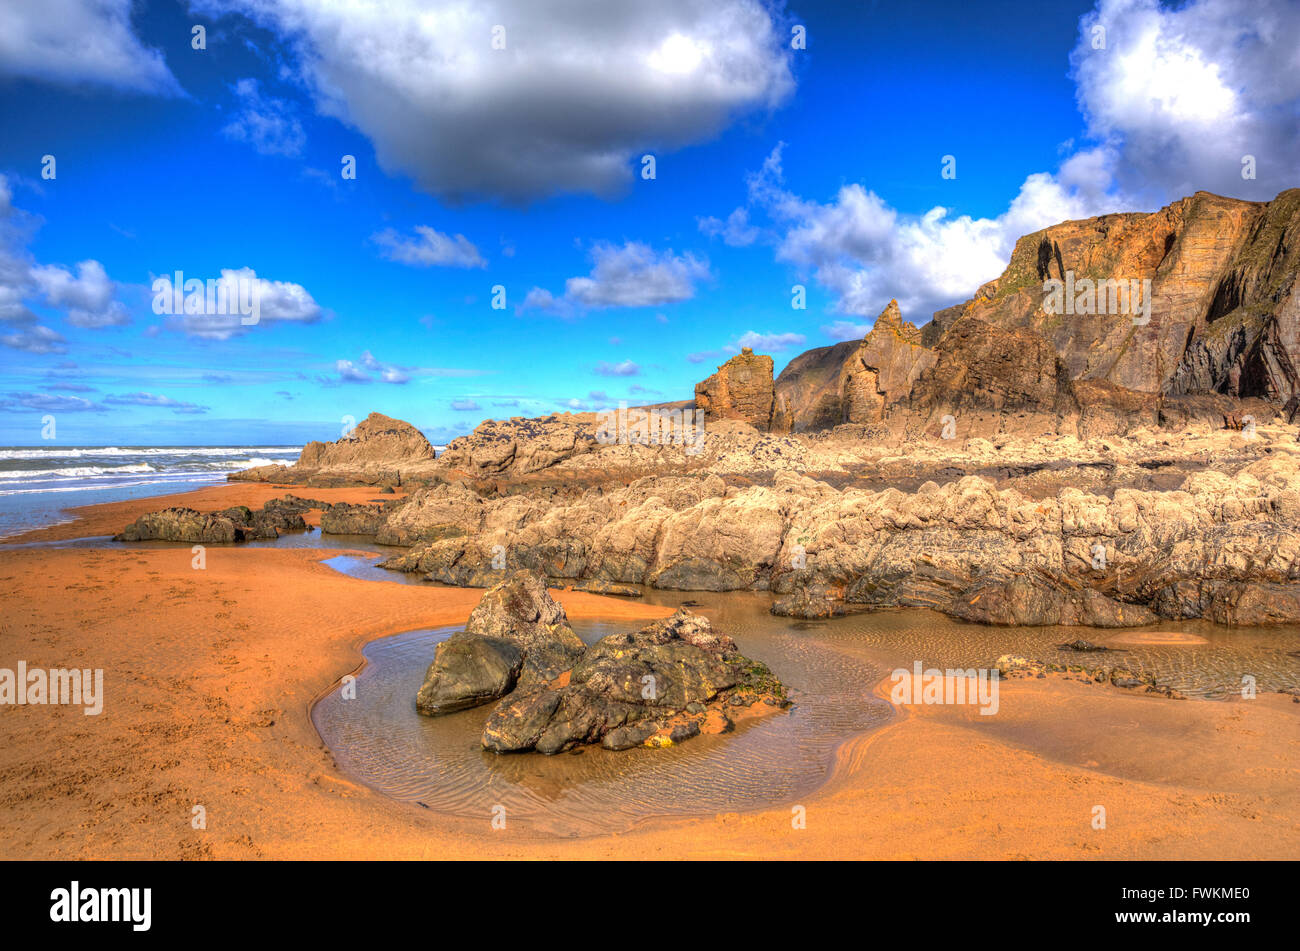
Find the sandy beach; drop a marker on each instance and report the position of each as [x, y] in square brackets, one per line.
[210, 676]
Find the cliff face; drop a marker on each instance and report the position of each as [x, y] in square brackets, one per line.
[1199, 298]
[1224, 310]
[852, 382]
[741, 389]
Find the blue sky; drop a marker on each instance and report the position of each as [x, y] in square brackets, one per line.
[520, 167]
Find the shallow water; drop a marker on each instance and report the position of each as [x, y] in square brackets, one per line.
[439, 763]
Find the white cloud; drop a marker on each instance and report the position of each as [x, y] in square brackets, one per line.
[634, 275]
[89, 297]
[1181, 94]
[768, 342]
[865, 251]
[845, 330]
[465, 406]
[429, 249]
[278, 302]
[570, 104]
[36, 340]
[156, 400]
[264, 122]
[736, 231]
[626, 368]
[75, 42]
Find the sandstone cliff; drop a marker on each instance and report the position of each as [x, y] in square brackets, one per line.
[1197, 299]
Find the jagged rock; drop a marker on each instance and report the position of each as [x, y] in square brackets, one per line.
[627, 688]
[741, 389]
[235, 524]
[1023, 601]
[520, 609]
[348, 518]
[600, 586]
[378, 450]
[516, 636]
[182, 525]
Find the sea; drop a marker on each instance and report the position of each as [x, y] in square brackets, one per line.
[39, 483]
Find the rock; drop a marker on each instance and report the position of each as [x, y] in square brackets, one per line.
[467, 671]
[378, 450]
[516, 636]
[809, 604]
[1082, 646]
[1123, 677]
[520, 609]
[183, 525]
[741, 389]
[626, 685]
[599, 586]
[347, 518]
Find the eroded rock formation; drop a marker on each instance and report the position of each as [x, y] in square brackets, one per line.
[741, 389]
[655, 686]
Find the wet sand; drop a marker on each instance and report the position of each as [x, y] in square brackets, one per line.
[210, 675]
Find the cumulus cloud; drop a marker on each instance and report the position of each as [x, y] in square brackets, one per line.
[89, 296]
[36, 340]
[633, 275]
[465, 406]
[431, 248]
[770, 342]
[264, 122]
[1182, 93]
[866, 252]
[367, 370]
[79, 42]
[570, 104]
[277, 302]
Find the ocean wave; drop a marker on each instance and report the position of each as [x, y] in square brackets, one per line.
[46, 489]
[74, 472]
[106, 473]
[53, 452]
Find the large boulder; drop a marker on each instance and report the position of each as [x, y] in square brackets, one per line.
[518, 635]
[654, 686]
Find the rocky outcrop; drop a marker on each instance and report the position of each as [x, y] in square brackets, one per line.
[741, 389]
[235, 524]
[968, 548]
[852, 383]
[379, 450]
[516, 636]
[656, 686]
